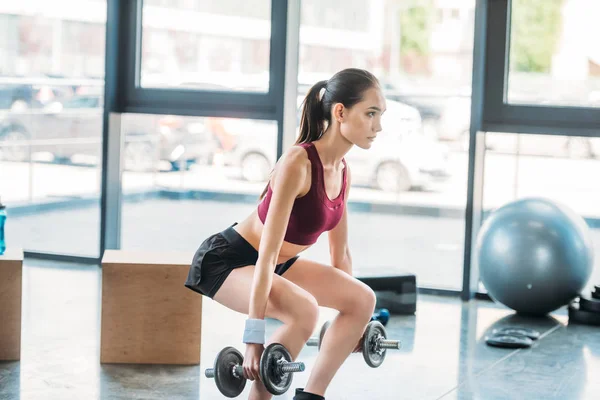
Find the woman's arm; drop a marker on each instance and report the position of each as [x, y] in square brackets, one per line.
[289, 183]
[339, 250]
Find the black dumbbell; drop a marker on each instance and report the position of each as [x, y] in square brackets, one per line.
[374, 343]
[276, 370]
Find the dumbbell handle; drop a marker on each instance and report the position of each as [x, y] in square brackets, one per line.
[383, 343]
[389, 344]
[287, 366]
[238, 370]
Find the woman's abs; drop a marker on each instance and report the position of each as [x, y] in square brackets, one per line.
[251, 229]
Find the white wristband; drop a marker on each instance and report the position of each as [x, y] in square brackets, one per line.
[255, 331]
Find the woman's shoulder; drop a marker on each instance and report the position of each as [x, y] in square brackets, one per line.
[295, 157]
[294, 164]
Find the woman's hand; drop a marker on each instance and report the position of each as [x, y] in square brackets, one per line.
[251, 363]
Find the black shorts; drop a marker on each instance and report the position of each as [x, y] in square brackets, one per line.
[220, 254]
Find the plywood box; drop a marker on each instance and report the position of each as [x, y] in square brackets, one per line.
[11, 278]
[148, 315]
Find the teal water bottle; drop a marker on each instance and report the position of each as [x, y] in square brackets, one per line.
[2, 223]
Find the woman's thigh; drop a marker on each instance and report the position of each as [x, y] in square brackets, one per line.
[287, 301]
[331, 287]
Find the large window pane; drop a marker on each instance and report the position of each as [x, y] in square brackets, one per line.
[206, 45]
[51, 86]
[188, 177]
[554, 52]
[560, 168]
[409, 190]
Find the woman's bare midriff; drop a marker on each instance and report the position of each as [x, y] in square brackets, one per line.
[251, 230]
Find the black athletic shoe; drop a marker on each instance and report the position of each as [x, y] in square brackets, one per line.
[302, 395]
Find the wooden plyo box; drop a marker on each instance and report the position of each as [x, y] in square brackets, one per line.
[148, 315]
[11, 278]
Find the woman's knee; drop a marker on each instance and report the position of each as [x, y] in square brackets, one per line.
[302, 312]
[362, 302]
[368, 300]
[299, 308]
[306, 315]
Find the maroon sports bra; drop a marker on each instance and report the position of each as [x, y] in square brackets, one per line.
[313, 213]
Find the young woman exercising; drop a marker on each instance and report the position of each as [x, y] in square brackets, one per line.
[253, 267]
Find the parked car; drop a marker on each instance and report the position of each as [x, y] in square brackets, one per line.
[400, 158]
[73, 126]
[16, 96]
[455, 126]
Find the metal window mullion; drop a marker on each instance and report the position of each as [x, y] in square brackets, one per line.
[292, 51]
[495, 63]
[116, 49]
[476, 147]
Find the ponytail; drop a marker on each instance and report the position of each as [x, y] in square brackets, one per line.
[346, 87]
[312, 122]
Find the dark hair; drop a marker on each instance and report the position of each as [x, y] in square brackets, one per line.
[346, 87]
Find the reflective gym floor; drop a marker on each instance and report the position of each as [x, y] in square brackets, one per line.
[444, 355]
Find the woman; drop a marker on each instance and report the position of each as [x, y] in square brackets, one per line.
[253, 267]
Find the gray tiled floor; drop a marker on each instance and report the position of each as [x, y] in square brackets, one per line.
[443, 356]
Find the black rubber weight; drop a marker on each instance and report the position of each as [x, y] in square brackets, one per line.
[589, 304]
[324, 328]
[228, 384]
[509, 341]
[276, 383]
[579, 316]
[373, 358]
[517, 331]
[596, 293]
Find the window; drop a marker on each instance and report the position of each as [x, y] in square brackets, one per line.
[409, 190]
[213, 46]
[83, 49]
[554, 53]
[51, 73]
[188, 177]
[338, 15]
[560, 168]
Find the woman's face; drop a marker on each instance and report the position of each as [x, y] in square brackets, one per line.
[361, 123]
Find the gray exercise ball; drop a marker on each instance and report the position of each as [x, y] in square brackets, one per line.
[534, 255]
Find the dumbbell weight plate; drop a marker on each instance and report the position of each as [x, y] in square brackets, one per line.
[324, 328]
[275, 382]
[373, 359]
[228, 384]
